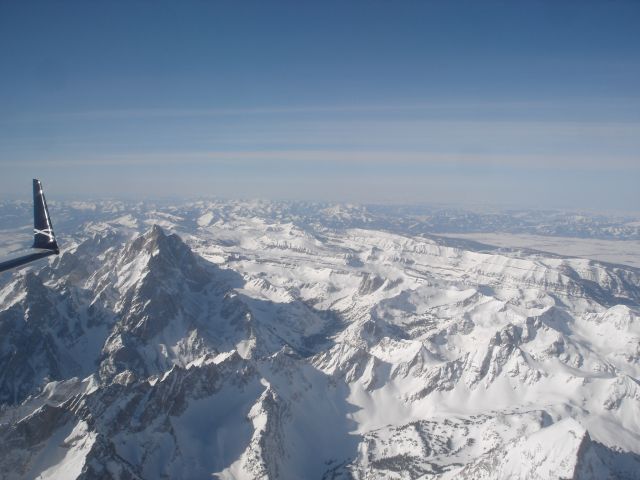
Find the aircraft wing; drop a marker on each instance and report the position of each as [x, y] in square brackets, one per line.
[44, 240]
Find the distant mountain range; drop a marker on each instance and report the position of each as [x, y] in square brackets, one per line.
[407, 219]
[244, 340]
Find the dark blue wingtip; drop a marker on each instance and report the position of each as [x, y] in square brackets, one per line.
[43, 236]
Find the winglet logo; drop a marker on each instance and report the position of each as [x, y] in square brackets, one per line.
[46, 232]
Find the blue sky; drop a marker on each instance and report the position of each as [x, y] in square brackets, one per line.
[504, 103]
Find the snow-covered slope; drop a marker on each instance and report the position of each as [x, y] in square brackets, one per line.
[243, 346]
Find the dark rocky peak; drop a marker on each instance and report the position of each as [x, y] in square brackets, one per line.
[153, 239]
[168, 260]
[157, 243]
[50, 308]
[26, 289]
[163, 284]
[76, 265]
[170, 255]
[37, 295]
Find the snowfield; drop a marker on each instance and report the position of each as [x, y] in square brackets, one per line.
[262, 340]
[625, 252]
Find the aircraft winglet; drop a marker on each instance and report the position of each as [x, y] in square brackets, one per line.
[44, 240]
[43, 236]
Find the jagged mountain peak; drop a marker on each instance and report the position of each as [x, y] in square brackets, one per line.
[36, 298]
[27, 283]
[156, 240]
[155, 258]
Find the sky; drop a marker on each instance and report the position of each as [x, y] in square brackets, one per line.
[510, 103]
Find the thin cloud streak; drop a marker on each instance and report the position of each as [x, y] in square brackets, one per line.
[215, 112]
[417, 106]
[337, 157]
[559, 138]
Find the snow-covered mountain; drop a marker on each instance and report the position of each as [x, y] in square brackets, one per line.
[252, 341]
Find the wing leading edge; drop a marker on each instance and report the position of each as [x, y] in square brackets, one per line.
[44, 240]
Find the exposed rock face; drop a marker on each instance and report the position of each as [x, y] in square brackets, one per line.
[139, 358]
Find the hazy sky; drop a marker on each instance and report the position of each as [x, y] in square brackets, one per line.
[516, 103]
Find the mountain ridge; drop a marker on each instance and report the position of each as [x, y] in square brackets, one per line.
[334, 354]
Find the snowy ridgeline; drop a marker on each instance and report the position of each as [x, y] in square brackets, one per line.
[259, 342]
[405, 219]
